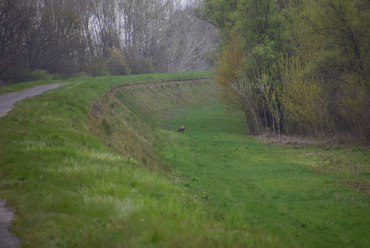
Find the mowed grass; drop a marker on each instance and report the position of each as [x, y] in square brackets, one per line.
[304, 196]
[68, 189]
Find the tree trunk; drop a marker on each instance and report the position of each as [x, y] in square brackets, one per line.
[249, 120]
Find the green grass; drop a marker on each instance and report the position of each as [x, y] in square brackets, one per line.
[91, 165]
[108, 81]
[68, 189]
[299, 195]
[125, 118]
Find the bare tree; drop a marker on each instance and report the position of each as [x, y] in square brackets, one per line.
[15, 16]
[190, 41]
[144, 24]
[66, 36]
[104, 26]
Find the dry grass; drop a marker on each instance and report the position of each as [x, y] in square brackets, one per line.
[282, 139]
[271, 138]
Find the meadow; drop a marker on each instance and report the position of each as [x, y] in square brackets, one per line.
[291, 192]
[92, 164]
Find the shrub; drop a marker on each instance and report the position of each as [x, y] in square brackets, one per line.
[304, 100]
[37, 75]
[81, 74]
[116, 63]
[354, 105]
[98, 67]
[141, 66]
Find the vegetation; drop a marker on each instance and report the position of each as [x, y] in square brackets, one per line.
[299, 195]
[303, 63]
[151, 186]
[101, 37]
[98, 162]
[129, 113]
[69, 189]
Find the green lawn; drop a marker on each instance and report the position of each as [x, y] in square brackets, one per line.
[268, 187]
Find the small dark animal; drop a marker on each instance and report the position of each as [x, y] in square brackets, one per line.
[181, 129]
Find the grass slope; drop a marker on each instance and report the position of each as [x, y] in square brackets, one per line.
[70, 190]
[273, 188]
[125, 117]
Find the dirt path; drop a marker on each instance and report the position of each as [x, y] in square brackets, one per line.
[7, 101]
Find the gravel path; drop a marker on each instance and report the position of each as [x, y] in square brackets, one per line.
[7, 101]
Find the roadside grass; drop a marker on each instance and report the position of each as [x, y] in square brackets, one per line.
[108, 80]
[307, 196]
[68, 189]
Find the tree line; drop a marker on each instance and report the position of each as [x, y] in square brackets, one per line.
[295, 66]
[101, 37]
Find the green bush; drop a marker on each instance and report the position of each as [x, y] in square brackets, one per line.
[116, 63]
[56, 76]
[37, 75]
[98, 67]
[141, 66]
[81, 74]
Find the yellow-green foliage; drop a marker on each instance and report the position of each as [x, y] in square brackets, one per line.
[333, 45]
[331, 40]
[271, 98]
[302, 99]
[354, 103]
[353, 97]
[308, 42]
[238, 91]
[230, 65]
[98, 67]
[116, 63]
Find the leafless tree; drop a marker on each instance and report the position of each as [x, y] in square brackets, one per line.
[66, 36]
[15, 18]
[190, 41]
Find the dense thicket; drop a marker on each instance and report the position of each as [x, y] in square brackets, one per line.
[101, 37]
[299, 66]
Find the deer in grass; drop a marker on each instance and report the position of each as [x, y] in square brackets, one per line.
[181, 129]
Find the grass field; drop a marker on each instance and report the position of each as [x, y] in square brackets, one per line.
[281, 190]
[91, 165]
[68, 189]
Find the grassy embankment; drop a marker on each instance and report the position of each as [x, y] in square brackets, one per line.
[315, 196]
[70, 190]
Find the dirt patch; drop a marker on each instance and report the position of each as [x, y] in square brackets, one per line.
[271, 138]
[362, 186]
[282, 139]
[97, 110]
